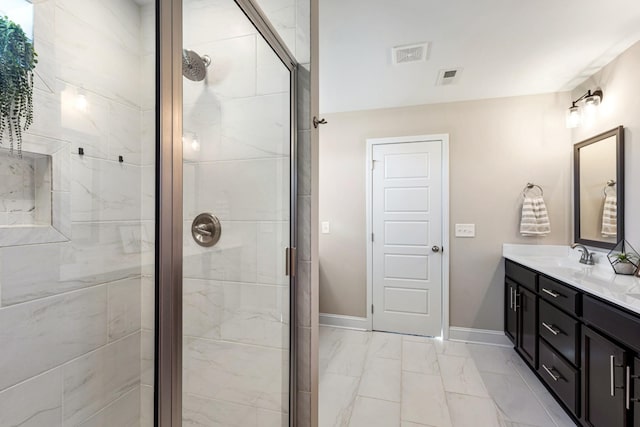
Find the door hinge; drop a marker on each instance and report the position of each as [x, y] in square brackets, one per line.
[372, 309]
[372, 238]
[373, 164]
[290, 262]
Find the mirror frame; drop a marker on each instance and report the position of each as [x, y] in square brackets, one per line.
[619, 134]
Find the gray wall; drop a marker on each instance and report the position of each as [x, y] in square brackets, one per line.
[496, 147]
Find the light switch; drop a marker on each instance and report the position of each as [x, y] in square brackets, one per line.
[325, 227]
[465, 230]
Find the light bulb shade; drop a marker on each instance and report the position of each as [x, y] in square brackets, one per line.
[592, 101]
[574, 117]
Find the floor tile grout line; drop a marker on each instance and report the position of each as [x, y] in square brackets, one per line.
[355, 397]
[551, 417]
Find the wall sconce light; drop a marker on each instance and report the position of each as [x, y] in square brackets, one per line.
[584, 108]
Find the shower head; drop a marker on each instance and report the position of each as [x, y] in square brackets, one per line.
[194, 66]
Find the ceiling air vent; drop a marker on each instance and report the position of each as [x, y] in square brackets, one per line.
[416, 52]
[448, 77]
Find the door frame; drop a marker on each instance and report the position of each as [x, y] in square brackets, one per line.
[371, 143]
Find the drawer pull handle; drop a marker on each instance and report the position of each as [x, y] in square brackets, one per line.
[628, 386]
[612, 362]
[551, 329]
[630, 399]
[553, 294]
[551, 374]
[613, 366]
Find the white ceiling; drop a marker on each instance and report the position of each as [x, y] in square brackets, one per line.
[505, 48]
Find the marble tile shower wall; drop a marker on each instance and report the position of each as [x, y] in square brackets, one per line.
[71, 313]
[236, 298]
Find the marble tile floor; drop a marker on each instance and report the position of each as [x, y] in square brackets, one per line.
[376, 379]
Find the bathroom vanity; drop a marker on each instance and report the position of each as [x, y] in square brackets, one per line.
[578, 328]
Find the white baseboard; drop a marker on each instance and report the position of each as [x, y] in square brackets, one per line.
[347, 322]
[479, 336]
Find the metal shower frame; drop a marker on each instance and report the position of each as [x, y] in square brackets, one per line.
[169, 199]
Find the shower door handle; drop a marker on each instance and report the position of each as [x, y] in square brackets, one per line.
[290, 261]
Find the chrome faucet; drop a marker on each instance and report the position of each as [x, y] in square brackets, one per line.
[586, 257]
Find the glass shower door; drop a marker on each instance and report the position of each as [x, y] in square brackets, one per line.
[237, 141]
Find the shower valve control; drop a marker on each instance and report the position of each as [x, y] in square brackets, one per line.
[206, 230]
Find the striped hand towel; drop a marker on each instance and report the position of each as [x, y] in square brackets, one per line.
[535, 219]
[610, 216]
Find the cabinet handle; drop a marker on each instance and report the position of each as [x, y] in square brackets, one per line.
[612, 361]
[630, 399]
[553, 294]
[517, 297]
[551, 329]
[551, 374]
[628, 387]
[511, 298]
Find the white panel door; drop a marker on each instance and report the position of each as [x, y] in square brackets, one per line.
[407, 237]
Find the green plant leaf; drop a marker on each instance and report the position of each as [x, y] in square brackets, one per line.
[17, 62]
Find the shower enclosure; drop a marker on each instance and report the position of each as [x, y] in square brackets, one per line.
[147, 230]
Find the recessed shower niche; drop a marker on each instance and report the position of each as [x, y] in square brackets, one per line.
[25, 192]
[34, 206]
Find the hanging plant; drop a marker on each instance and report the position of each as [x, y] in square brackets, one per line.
[17, 62]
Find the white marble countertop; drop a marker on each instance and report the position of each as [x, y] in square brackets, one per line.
[561, 263]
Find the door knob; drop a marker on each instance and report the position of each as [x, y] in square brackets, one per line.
[435, 248]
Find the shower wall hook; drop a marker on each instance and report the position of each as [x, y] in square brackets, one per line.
[81, 151]
[317, 122]
[120, 159]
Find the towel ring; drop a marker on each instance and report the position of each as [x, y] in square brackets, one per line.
[531, 186]
[610, 184]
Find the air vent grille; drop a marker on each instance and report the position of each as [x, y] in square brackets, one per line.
[417, 52]
[449, 76]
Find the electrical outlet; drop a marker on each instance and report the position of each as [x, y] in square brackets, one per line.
[325, 227]
[465, 230]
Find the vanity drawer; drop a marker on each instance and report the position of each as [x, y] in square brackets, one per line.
[559, 294]
[560, 330]
[520, 274]
[561, 377]
[615, 322]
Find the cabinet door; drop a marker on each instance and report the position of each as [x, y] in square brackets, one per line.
[510, 313]
[526, 304]
[603, 373]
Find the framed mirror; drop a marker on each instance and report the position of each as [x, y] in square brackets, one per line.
[598, 189]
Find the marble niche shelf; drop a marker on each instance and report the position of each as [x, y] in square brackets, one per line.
[32, 210]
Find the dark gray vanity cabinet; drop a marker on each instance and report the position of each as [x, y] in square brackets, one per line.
[521, 311]
[586, 350]
[634, 393]
[527, 306]
[603, 378]
[559, 341]
[511, 313]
